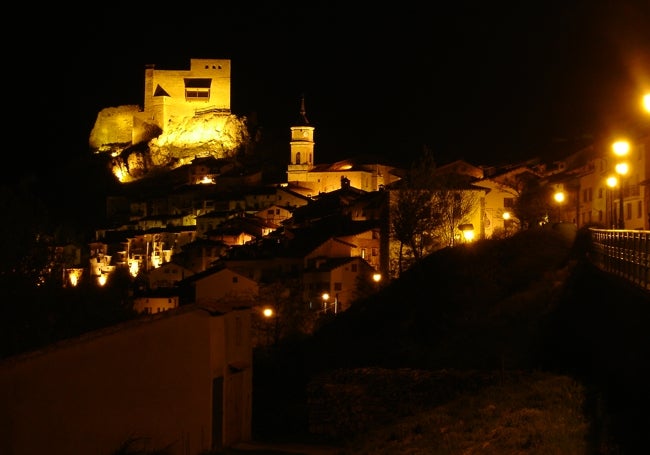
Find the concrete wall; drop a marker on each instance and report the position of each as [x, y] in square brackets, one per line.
[150, 378]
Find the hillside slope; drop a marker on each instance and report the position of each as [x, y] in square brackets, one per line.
[479, 315]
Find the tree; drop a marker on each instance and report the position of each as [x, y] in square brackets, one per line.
[290, 315]
[533, 204]
[411, 208]
[427, 208]
[452, 206]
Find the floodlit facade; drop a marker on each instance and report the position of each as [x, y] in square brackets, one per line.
[180, 379]
[172, 94]
[590, 200]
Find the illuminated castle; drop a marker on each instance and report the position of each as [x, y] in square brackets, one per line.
[170, 95]
[186, 114]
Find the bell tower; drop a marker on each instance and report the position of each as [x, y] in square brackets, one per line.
[302, 147]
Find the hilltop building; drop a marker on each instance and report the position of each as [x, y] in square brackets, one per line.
[170, 94]
[185, 115]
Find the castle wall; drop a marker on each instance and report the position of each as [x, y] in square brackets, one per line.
[166, 91]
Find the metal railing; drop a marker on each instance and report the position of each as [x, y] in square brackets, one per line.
[623, 253]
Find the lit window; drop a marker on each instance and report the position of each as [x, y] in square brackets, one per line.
[197, 89]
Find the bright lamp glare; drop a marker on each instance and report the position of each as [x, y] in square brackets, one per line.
[622, 168]
[612, 182]
[468, 235]
[621, 148]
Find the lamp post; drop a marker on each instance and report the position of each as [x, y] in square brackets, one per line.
[468, 232]
[559, 197]
[621, 150]
[326, 303]
[612, 182]
[268, 314]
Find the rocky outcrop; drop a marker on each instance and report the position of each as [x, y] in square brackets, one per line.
[208, 134]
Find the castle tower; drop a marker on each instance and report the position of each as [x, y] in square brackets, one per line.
[302, 147]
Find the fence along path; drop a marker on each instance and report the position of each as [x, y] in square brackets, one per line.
[624, 253]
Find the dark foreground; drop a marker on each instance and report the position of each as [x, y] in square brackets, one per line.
[504, 307]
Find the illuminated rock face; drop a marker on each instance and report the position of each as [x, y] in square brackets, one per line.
[186, 116]
[113, 128]
[210, 134]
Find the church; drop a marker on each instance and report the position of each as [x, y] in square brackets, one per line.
[306, 177]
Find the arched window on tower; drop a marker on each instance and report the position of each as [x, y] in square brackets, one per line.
[298, 158]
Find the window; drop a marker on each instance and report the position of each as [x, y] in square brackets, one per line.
[354, 268]
[197, 89]
[508, 202]
[338, 286]
[628, 211]
[639, 209]
[235, 279]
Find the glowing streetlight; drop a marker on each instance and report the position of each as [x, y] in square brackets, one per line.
[646, 102]
[621, 149]
[559, 197]
[612, 182]
[468, 231]
[268, 314]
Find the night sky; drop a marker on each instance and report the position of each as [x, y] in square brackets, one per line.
[477, 80]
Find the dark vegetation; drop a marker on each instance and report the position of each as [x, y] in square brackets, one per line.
[478, 316]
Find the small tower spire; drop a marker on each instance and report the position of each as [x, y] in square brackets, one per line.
[302, 119]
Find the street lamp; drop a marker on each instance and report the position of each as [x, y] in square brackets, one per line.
[326, 298]
[646, 102]
[559, 197]
[268, 313]
[621, 149]
[468, 231]
[612, 182]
